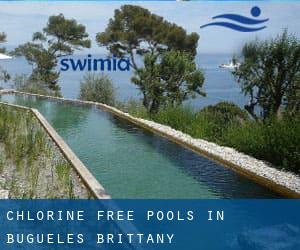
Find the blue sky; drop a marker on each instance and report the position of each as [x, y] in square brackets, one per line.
[20, 19]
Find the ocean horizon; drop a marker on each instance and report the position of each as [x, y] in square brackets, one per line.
[219, 83]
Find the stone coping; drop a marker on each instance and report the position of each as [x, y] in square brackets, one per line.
[89, 180]
[283, 182]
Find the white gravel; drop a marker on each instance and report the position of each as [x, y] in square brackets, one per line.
[4, 194]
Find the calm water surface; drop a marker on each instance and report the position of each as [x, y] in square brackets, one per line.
[133, 163]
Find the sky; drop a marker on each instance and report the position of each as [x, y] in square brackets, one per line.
[20, 19]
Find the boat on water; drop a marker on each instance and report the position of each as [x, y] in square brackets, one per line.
[230, 65]
[4, 57]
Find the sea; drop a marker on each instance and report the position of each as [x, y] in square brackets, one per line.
[219, 84]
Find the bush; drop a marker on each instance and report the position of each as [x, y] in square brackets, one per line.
[134, 107]
[97, 89]
[276, 141]
[228, 112]
[209, 123]
[180, 118]
[24, 84]
[215, 120]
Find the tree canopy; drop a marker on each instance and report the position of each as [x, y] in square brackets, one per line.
[135, 30]
[2, 40]
[60, 37]
[4, 76]
[168, 82]
[270, 75]
[164, 47]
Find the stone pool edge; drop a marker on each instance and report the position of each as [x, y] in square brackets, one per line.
[85, 175]
[283, 182]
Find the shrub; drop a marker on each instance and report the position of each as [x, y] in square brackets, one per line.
[24, 84]
[134, 107]
[214, 120]
[276, 141]
[97, 89]
[179, 118]
[209, 123]
[227, 111]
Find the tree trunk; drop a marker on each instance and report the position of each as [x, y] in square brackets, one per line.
[250, 109]
[154, 107]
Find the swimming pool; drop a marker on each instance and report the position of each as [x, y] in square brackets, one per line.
[131, 162]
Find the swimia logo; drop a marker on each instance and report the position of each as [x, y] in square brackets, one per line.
[95, 64]
[243, 23]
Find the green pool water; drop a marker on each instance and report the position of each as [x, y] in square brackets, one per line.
[133, 163]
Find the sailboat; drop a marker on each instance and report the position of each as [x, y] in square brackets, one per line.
[4, 57]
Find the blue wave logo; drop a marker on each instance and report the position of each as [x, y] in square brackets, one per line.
[244, 24]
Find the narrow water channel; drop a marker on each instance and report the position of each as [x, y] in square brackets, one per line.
[133, 163]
